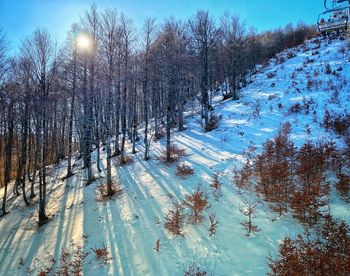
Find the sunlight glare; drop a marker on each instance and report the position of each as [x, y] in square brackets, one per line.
[83, 42]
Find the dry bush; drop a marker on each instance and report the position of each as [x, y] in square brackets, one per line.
[50, 263]
[175, 155]
[295, 108]
[280, 60]
[274, 171]
[293, 75]
[272, 96]
[304, 107]
[308, 61]
[72, 262]
[327, 119]
[182, 170]
[342, 50]
[291, 54]
[312, 191]
[157, 246]
[159, 134]
[125, 160]
[101, 254]
[333, 157]
[343, 185]
[216, 187]
[346, 151]
[194, 270]
[287, 177]
[214, 121]
[213, 224]
[311, 163]
[175, 219]
[271, 75]
[249, 211]
[306, 202]
[256, 111]
[102, 194]
[328, 69]
[197, 202]
[286, 129]
[327, 254]
[339, 123]
[310, 84]
[242, 177]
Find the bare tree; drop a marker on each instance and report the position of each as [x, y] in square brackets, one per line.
[149, 30]
[127, 38]
[40, 51]
[110, 36]
[204, 34]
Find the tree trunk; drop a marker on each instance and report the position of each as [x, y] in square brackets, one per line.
[8, 155]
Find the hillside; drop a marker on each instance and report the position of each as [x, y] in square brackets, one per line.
[130, 224]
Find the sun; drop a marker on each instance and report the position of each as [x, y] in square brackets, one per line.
[84, 42]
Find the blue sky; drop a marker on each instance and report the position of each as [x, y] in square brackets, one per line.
[19, 18]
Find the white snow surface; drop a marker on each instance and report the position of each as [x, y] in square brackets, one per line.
[127, 224]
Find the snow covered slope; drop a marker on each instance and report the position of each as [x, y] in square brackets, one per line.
[129, 225]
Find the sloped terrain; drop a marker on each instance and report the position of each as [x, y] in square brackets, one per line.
[296, 87]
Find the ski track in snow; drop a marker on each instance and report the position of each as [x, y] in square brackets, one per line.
[127, 224]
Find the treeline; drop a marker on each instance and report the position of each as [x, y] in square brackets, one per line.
[109, 79]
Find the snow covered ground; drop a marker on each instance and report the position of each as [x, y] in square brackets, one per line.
[129, 225]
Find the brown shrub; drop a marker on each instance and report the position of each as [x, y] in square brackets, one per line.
[157, 246]
[312, 191]
[308, 61]
[214, 121]
[286, 129]
[339, 123]
[194, 270]
[328, 69]
[102, 192]
[306, 202]
[175, 218]
[249, 211]
[304, 107]
[333, 156]
[159, 134]
[216, 187]
[346, 151]
[295, 108]
[290, 55]
[71, 262]
[182, 170]
[213, 224]
[125, 160]
[274, 171]
[327, 254]
[175, 155]
[101, 254]
[327, 120]
[242, 177]
[343, 185]
[310, 83]
[197, 202]
[271, 75]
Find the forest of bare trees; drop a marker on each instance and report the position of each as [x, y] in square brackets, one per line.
[110, 83]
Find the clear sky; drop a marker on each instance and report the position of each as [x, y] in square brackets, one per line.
[19, 18]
